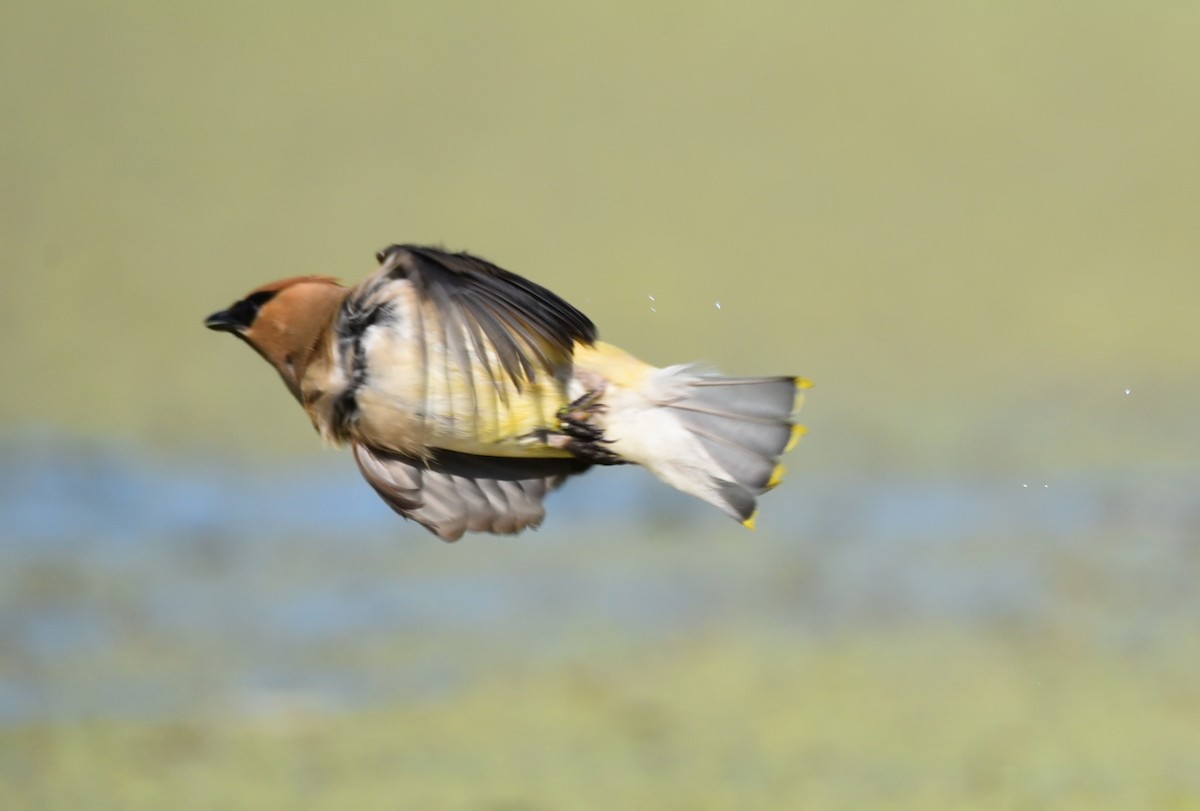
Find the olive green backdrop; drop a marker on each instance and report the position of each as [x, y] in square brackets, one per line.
[973, 225]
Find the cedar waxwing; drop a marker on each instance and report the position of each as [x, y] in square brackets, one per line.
[467, 393]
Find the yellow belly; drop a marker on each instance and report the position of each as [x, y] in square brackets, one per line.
[447, 409]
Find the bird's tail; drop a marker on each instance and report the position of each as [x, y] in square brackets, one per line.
[714, 437]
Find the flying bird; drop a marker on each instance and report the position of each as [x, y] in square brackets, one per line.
[467, 393]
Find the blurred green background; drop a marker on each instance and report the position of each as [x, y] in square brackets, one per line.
[973, 225]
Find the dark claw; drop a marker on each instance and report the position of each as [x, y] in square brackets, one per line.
[591, 452]
[583, 407]
[575, 419]
[584, 439]
[580, 430]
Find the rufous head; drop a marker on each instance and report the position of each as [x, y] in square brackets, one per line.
[284, 321]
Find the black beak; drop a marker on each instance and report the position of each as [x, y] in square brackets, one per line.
[223, 321]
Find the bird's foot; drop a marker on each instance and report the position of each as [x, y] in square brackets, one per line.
[589, 450]
[593, 451]
[579, 435]
[575, 419]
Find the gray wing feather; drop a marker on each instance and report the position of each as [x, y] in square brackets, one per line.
[453, 493]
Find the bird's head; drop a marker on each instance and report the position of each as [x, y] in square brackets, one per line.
[284, 321]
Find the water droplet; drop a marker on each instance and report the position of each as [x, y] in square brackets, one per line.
[653, 310]
[718, 305]
[651, 298]
[1024, 485]
[1128, 392]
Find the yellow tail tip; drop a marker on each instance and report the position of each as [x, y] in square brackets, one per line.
[797, 432]
[776, 476]
[803, 384]
[749, 522]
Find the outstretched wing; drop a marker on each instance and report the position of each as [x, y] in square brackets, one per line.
[442, 350]
[452, 493]
[528, 328]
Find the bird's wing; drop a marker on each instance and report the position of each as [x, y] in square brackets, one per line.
[452, 493]
[482, 307]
